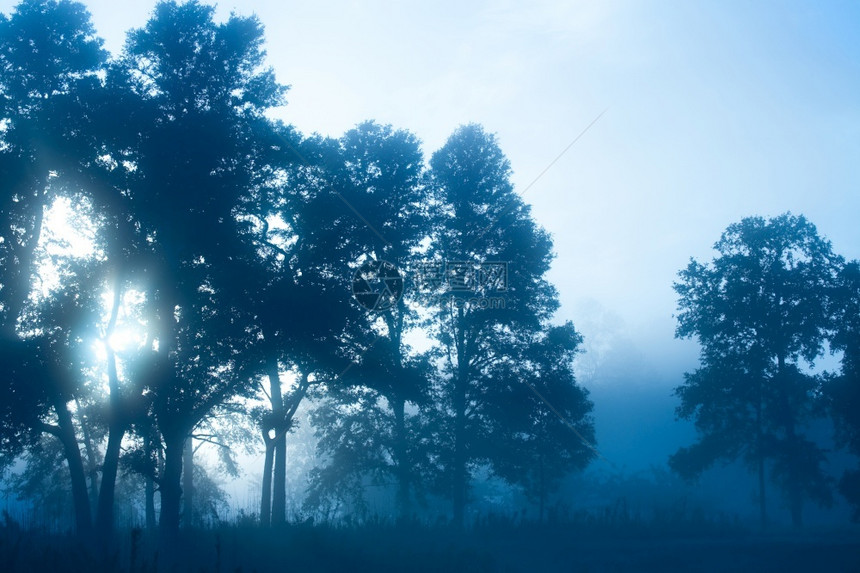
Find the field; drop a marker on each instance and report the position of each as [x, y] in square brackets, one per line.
[492, 545]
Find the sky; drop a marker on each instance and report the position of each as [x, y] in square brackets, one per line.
[686, 117]
[711, 111]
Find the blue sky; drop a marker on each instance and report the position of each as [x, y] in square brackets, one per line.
[714, 111]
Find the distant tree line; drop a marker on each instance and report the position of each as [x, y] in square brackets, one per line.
[234, 244]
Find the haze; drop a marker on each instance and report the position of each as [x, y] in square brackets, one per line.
[637, 131]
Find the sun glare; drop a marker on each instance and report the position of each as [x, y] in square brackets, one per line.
[129, 333]
[66, 234]
[126, 339]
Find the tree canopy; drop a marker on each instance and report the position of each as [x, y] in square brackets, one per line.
[219, 292]
[760, 311]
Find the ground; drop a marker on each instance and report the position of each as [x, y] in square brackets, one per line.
[489, 546]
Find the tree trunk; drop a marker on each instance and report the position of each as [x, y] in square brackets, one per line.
[171, 492]
[403, 469]
[173, 435]
[92, 463]
[400, 455]
[105, 514]
[762, 501]
[279, 479]
[795, 487]
[541, 489]
[459, 469]
[188, 483]
[461, 380]
[150, 487]
[795, 490]
[459, 474]
[80, 498]
[266, 494]
[116, 431]
[149, 493]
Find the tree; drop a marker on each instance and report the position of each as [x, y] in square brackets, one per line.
[300, 295]
[760, 312]
[843, 391]
[44, 483]
[202, 92]
[51, 362]
[224, 430]
[550, 433]
[47, 50]
[364, 439]
[486, 244]
[383, 207]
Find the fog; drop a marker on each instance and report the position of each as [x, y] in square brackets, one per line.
[251, 311]
[713, 112]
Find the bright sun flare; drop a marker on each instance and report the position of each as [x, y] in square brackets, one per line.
[126, 339]
[70, 233]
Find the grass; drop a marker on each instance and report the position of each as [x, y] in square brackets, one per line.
[493, 543]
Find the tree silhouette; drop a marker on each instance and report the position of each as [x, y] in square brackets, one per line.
[380, 178]
[843, 391]
[550, 432]
[482, 222]
[47, 51]
[300, 295]
[234, 244]
[203, 92]
[759, 309]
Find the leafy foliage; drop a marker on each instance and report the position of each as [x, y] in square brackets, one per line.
[759, 309]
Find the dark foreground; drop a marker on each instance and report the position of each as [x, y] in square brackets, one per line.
[381, 548]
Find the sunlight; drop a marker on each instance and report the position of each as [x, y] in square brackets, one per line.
[66, 233]
[126, 339]
[130, 332]
[225, 326]
[69, 233]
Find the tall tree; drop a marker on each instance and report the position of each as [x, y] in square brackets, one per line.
[760, 312]
[299, 295]
[203, 91]
[48, 49]
[383, 206]
[486, 241]
[843, 391]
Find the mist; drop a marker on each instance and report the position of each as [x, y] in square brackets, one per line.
[484, 287]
